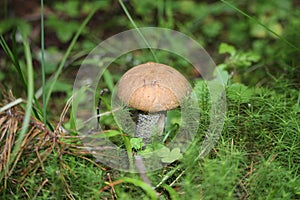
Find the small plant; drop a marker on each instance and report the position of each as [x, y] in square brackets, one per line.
[137, 143]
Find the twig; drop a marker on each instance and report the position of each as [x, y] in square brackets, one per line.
[39, 189]
[112, 184]
[63, 114]
[11, 104]
[177, 178]
[112, 188]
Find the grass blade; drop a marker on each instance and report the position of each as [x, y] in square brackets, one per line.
[64, 59]
[261, 24]
[138, 30]
[13, 58]
[30, 95]
[43, 64]
[147, 188]
[173, 194]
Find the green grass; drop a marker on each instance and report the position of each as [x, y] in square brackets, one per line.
[256, 157]
[28, 111]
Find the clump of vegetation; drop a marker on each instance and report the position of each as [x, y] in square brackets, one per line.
[255, 47]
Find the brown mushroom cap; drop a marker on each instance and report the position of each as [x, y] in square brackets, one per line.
[153, 87]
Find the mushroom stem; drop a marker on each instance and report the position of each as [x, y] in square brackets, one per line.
[139, 164]
[149, 125]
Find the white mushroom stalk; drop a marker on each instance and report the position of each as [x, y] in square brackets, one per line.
[150, 125]
[152, 89]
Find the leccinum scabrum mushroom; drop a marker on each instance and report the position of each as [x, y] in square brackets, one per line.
[152, 89]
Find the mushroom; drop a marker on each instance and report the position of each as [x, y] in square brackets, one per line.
[152, 89]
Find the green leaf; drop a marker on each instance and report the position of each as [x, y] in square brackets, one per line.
[226, 48]
[146, 153]
[64, 29]
[163, 152]
[70, 8]
[213, 29]
[252, 56]
[136, 143]
[23, 26]
[152, 149]
[169, 156]
[106, 134]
